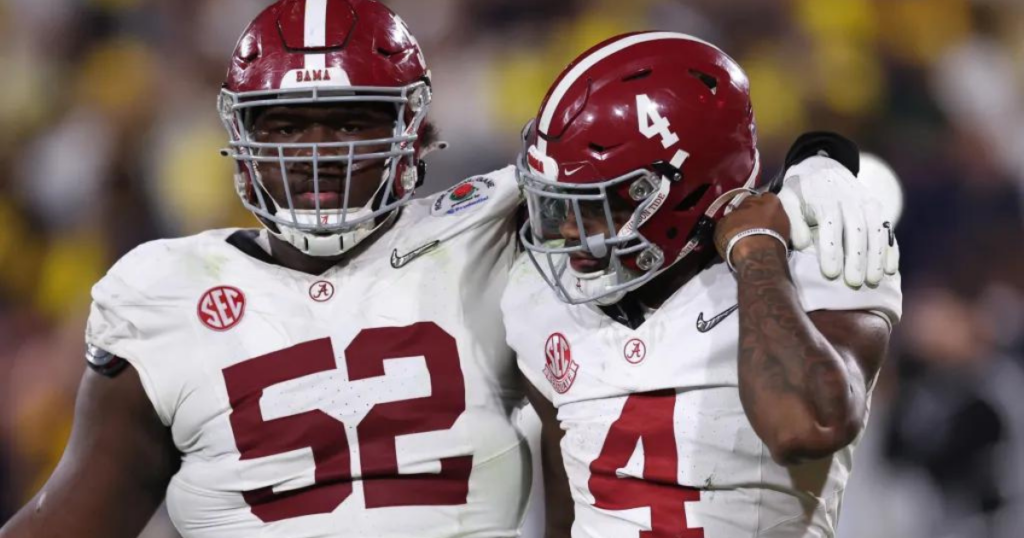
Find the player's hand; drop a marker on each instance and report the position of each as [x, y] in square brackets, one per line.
[831, 209]
[757, 211]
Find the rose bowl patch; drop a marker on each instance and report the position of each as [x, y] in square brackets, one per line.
[467, 195]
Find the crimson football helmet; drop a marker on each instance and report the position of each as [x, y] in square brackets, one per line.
[304, 52]
[660, 120]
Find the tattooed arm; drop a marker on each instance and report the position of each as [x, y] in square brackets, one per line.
[803, 377]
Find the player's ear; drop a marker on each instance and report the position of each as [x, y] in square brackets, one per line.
[430, 140]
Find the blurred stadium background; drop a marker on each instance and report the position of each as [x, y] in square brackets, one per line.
[109, 137]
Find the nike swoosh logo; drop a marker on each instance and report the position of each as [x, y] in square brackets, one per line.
[568, 173]
[705, 326]
[399, 261]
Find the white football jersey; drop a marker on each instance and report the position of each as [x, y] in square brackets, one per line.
[376, 399]
[656, 441]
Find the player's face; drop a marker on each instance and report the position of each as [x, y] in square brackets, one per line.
[595, 222]
[320, 124]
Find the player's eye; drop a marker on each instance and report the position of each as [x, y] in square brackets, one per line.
[554, 209]
[591, 209]
[286, 130]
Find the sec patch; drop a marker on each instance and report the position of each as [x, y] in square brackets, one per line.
[221, 308]
[559, 368]
[467, 195]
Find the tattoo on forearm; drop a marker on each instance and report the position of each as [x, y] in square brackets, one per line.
[781, 353]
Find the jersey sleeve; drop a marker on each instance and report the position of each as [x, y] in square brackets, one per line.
[477, 201]
[517, 304]
[124, 322]
[819, 293]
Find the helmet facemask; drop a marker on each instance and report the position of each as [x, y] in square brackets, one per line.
[318, 230]
[632, 259]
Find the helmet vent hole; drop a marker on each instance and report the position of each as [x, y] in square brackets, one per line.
[692, 198]
[641, 74]
[599, 149]
[708, 80]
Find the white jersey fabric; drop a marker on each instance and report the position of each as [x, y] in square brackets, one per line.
[376, 399]
[656, 440]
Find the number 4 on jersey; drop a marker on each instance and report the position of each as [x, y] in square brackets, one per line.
[647, 419]
[652, 125]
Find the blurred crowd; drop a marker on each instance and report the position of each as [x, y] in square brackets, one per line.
[109, 137]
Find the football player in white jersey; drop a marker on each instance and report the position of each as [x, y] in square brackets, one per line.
[342, 372]
[694, 378]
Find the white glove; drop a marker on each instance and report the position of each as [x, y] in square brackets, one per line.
[854, 228]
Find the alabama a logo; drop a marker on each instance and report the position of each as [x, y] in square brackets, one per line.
[635, 351]
[559, 368]
[321, 291]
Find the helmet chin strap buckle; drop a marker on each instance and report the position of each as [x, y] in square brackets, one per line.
[650, 259]
[664, 169]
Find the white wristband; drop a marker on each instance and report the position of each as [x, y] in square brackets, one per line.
[747, 233]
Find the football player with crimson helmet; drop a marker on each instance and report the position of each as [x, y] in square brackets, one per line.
[667, 413]
[341, 372]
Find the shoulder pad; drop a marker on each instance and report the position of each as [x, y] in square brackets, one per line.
[146, 265]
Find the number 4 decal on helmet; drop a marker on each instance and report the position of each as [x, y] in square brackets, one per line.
[652, 124]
